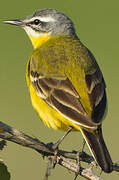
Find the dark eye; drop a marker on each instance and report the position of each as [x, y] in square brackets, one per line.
[37, 21]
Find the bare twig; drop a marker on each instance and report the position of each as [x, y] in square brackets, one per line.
[12, 134]
[87, 172]
[116, 167]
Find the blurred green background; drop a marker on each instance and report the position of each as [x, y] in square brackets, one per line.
[97, 24]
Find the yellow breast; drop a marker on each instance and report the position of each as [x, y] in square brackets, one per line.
[38, 41]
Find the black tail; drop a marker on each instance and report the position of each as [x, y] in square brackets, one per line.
[98, 147]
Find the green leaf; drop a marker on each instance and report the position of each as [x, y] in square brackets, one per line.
[4, 174]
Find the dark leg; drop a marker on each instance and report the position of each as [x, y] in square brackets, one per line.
[83, 145]
[55, 146]
[51, 163]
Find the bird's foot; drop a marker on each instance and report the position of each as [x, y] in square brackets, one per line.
[56, 145]
[52, 161]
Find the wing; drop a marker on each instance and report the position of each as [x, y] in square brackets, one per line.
[61, 95]
[96, 90]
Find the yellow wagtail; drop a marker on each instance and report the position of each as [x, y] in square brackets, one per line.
[66, 85]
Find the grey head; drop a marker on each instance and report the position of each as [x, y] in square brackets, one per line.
[47, 20]
[52, 21]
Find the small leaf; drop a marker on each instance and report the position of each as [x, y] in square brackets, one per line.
[4, 174]
[2, 144]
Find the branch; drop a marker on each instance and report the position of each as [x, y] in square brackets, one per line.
[16, 136]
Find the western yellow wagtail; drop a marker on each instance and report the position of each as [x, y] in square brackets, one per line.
[66, 85]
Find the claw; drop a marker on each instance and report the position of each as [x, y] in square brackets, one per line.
[53, 162]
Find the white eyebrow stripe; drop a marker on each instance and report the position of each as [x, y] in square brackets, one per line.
[44, 19]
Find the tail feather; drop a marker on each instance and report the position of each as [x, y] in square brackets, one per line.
[98, 147]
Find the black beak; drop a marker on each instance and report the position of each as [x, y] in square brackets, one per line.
[16, 22]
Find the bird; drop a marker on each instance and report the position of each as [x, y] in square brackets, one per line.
[66, 85]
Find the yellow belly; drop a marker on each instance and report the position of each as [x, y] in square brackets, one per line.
[48, 115]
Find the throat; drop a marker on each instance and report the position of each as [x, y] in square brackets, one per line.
[38, 41]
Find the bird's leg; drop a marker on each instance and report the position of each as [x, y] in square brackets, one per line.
[78, 159]
[52, 162]
[83, 145]
[55, 146]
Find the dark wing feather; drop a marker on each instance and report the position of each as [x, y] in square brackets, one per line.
[97, 94]
[61, 95]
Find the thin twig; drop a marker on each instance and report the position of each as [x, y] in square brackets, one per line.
[16, 136]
